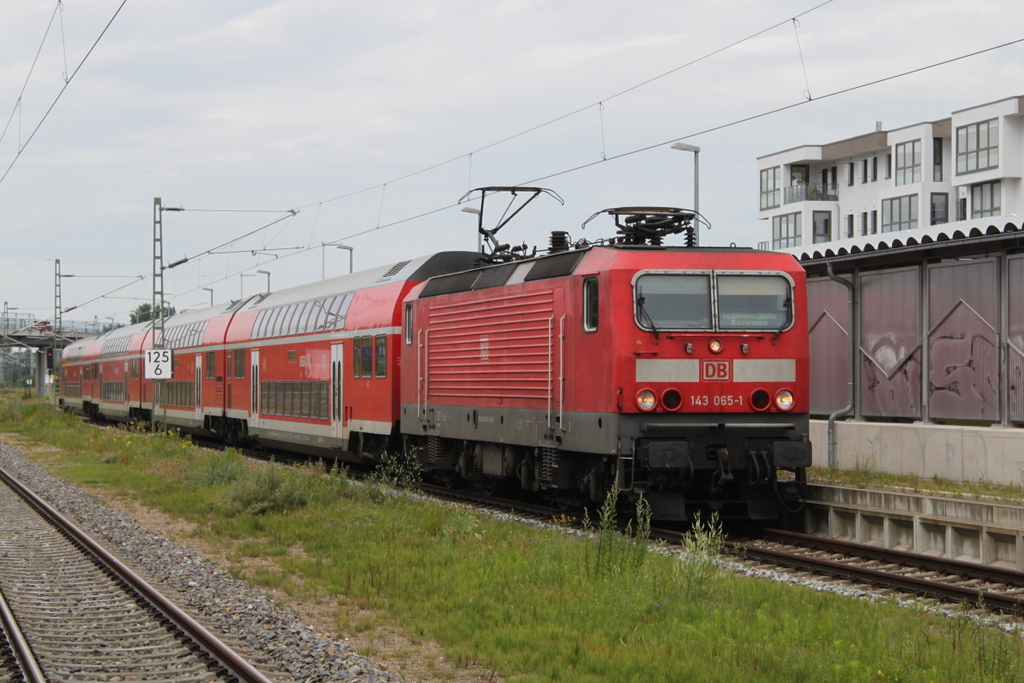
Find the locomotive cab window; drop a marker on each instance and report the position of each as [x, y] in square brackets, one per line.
[590, 301]
[753, 302]
[698, 301]
[408, 324]
[675, 302]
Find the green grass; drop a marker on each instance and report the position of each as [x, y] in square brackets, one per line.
[865, 476]
[536, 605]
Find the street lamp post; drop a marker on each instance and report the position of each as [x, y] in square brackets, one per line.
[696, 186]
[323, 251]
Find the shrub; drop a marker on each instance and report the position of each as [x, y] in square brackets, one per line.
[259, 490]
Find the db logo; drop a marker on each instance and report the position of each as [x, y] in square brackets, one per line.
[716, 370]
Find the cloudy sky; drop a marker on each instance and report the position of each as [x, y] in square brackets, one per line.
[362, 116]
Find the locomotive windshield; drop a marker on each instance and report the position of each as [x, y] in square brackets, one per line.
[674, 301]
[684, 302]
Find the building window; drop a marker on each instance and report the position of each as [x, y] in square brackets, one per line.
[786, 231]
[822, 226]
[899, 213]
[864, 223]
[849, 173]
[937, 160]
[986, 200]
[874, 169]
[849, 226]
[977, 147]
[770, 188]
[888, 166]
[863, 171]
[908, 163]
[874, 221]
[940, 208]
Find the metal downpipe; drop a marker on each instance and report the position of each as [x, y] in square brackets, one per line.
[852, 366]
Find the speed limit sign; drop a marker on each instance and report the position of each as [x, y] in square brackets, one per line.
[159, 364]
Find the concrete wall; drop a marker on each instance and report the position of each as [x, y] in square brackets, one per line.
[995, 453]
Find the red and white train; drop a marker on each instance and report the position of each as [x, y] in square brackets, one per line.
[678, 373]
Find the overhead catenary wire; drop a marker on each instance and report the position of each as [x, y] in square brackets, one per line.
[649, 147]
[67, 82]
[574, 112]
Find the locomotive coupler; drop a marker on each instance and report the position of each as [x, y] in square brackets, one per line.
[723, 474]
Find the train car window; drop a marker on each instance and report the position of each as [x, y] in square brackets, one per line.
[267, 316]
[331, 307]
[590, 301]
[316, 315]
[382, 355]
[367, 371]
[357, 362]
[408, 324]
[257, 326]
[301, 313]
[314, 400]
[274, 327]
[211, 364]
[753, 302]
[305, 399]
[292, 319]
[343, 311]
[239, 363]
[287, 412]
[264, 399]
[674, 302]
[323, 401]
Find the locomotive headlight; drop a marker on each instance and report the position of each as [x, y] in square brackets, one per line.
[715, 346]
[784, 399]
[646, 400]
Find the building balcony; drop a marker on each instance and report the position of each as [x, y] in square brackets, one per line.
[810, 192]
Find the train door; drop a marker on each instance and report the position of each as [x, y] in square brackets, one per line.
[254, 405]
[339, 429]
[198, 411]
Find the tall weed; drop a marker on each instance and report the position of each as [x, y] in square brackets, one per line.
[612, 554]
[702, 548]
[11, 409]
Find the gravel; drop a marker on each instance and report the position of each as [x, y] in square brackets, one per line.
[223, 603]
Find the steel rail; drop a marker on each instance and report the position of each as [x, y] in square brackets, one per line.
[875, 577]
[972, 570]
[209, 643]
[22, 652]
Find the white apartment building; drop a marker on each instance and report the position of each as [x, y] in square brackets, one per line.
[964, 167]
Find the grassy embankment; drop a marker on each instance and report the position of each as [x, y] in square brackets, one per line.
[534, 605]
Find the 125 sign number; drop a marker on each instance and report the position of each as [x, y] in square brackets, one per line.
[159, 364]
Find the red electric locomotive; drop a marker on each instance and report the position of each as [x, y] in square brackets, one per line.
[678, 373]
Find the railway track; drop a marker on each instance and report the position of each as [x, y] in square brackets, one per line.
[938, 578]
[87, 617]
